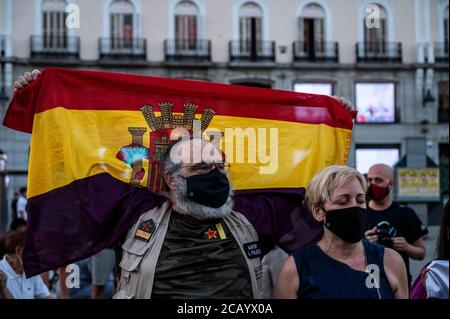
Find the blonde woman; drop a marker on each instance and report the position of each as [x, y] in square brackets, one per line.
[341, 265]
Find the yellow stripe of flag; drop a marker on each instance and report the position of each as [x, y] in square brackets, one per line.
[68, 145]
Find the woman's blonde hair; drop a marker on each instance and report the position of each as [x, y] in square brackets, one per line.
[329, 179]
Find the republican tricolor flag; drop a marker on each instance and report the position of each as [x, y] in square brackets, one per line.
[97, 139]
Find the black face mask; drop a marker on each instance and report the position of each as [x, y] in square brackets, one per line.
[347, 223]
[210, 189]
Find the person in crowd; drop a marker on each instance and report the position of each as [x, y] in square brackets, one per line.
[94, 279]
[22, 204]
[342, 265]
[14, 206]
[18, 285]
[17, 224]
[390, 224]
[198, 238]
[103, 271]
[271, 266]
[432, 282]
[75, 280]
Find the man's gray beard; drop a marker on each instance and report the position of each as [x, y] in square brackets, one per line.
[185, 206]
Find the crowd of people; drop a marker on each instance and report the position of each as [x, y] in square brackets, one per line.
[196, 246]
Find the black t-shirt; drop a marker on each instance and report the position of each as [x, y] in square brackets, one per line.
[396, 221]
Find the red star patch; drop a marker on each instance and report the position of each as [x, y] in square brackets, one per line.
[146, 226]
[212, 234]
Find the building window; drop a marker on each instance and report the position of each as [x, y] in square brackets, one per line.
[441, 48]
[375, 46]
[250, 30]
[3, 39]
[311, 26]
[186, 43]
[376, 102]
[121, 24]
[3, 70]
[368, 155]
[310, 45]
[443, 102]
[54, 30]
[314, 88]
[375, 38]
[186, 23]
[123, 41]
[446, 26]
[250, 23]
[250, 45]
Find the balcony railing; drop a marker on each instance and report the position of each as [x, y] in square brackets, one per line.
[187, 50]
[122, 48]
[315, 52]
[55, 46]
[379, 52]
[253, 51]
[441, 52]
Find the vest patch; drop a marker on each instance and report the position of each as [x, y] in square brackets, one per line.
[252, 249]
[145, 230]
[211, 233]
[215, 232]
[258, 272]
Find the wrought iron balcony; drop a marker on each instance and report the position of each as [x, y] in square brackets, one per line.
[315, 52]
[382, 52]
[253, 51]
[123, 48]
[187, 50]
[54, 46]
[441, 52]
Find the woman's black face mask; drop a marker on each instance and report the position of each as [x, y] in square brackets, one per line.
[347, 223]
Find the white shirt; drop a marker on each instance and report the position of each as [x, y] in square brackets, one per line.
[22, 288]
[22, 208]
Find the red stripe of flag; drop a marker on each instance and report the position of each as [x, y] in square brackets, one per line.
[90, 90]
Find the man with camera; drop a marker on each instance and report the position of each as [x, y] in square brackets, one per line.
[390, 224]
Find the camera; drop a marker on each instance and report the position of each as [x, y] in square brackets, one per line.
[384, 238]
[385, 233]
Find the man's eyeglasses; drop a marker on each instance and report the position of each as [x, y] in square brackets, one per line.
[203, 168]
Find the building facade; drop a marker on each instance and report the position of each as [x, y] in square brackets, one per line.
[386, 52]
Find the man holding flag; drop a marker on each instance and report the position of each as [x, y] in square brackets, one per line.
[194, 245]
[194, 241]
